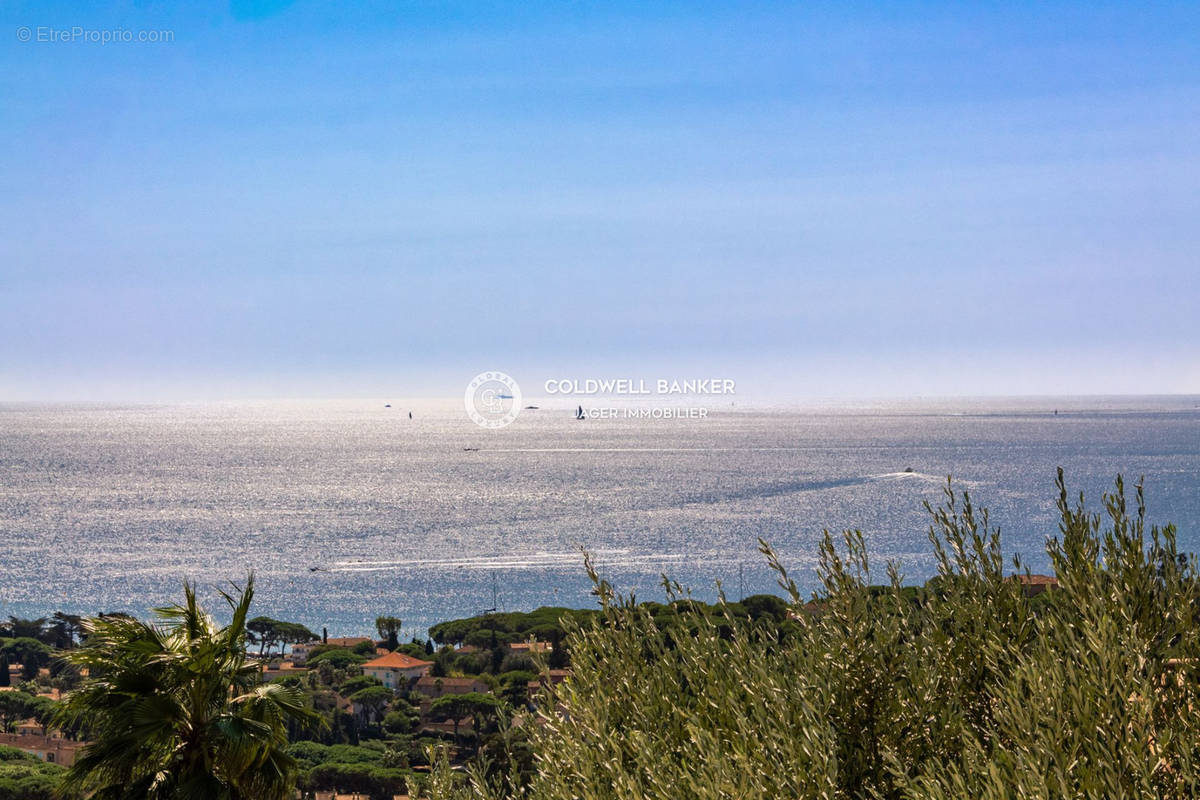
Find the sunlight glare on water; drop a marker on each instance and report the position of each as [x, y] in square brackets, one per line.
[347, 510]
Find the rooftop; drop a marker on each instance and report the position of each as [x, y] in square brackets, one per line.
[344, 641]
[397, 661]
[447, 683]
[1037, 580]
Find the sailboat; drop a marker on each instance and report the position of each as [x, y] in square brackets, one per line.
[495, 605]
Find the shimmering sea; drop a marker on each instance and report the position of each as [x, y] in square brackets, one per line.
[347, 510]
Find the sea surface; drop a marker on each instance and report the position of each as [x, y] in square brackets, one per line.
[348, 510]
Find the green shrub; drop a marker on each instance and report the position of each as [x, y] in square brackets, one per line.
[28, 779]
[401, 721]
[357, 683]
[964, 688]
[13, 754]
[351, 754]
[308, 754]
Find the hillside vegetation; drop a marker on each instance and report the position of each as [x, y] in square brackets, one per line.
[965, 687]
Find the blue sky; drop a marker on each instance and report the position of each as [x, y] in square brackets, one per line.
[813, 199]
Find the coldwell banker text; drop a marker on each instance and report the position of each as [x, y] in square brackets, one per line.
[639, 386]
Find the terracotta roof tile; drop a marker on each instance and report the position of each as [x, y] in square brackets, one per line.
[397, 660]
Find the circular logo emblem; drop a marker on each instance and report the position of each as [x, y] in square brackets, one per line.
[492, 399]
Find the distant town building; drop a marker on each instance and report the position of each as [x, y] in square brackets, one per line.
[29, 727]
[345, 641]
[281, 670]
[433, 688]
[551, 677]
[396, 670]
[51, 749]
[1036, 584]
[813, 608]
[300, 653]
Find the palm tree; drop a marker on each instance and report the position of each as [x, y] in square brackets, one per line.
[175, 710]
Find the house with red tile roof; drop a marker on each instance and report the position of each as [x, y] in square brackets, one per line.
[396, 670]
[547, 679]
[1036, 584]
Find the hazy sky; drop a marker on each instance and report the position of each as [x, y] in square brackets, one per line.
[813, 199]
